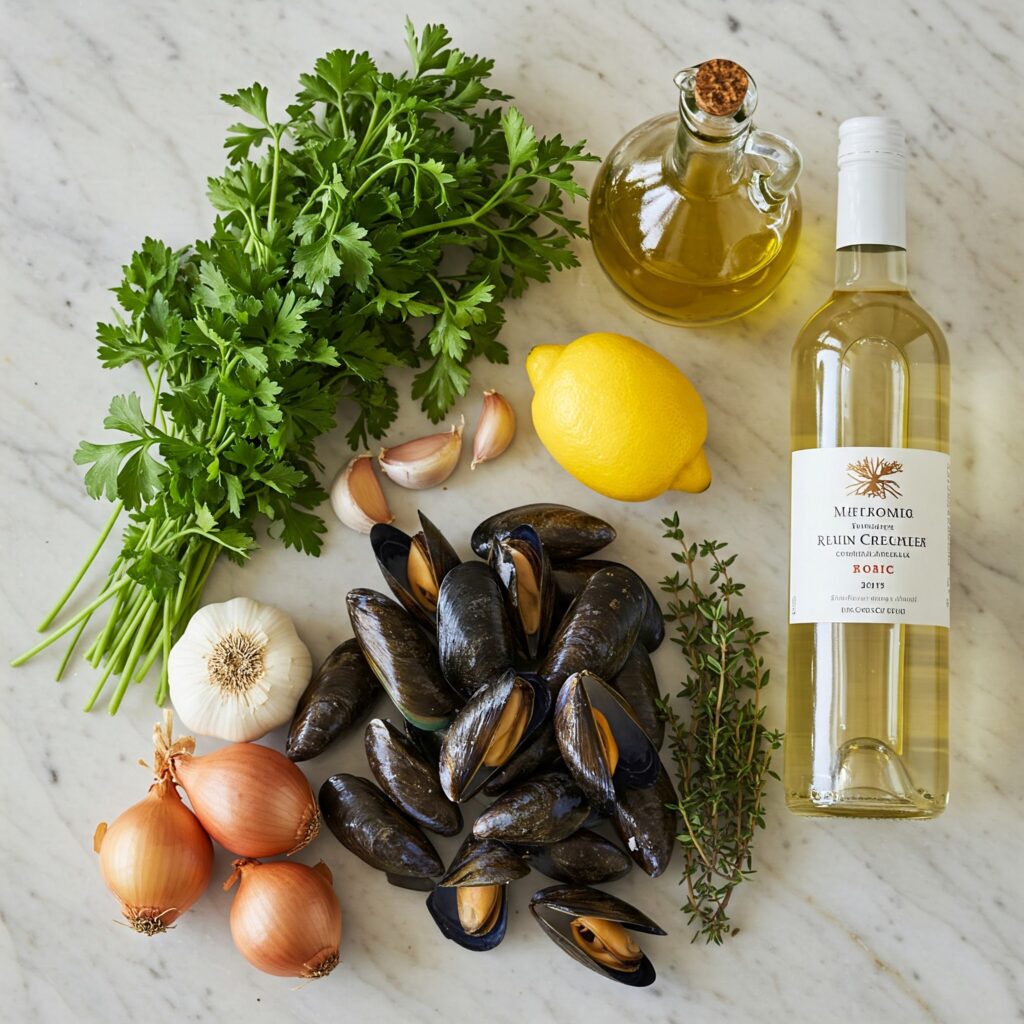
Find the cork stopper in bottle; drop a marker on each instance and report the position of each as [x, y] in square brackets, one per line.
[720, 87]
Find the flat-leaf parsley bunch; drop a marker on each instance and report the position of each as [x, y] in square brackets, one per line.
[330, 262]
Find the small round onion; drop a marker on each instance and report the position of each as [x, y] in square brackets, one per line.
[155, 858]
[286, 919]
[251, 799]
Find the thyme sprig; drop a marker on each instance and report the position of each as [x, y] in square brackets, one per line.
[722, 750]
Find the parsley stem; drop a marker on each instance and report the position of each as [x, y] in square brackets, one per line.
[90, 558]
[458, 222]
[275, 174]
[70, 625]
[133, 657]
[369, 180]
[95, 652]
[71, 648]
[115, 659]
[368, 135]
[163, 685]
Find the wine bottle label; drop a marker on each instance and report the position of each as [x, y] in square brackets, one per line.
[870, 536]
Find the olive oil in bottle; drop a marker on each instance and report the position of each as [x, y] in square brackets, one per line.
[695, 217]
[867, 709]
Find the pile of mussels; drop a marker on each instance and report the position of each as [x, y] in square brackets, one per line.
[527, 679]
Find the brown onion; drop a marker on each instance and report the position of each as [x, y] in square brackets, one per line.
[251, 799]
[286, 919]
[155, 858]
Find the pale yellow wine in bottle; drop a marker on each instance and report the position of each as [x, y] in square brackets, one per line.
[867, 707]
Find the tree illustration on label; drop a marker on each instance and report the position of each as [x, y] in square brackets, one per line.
[870, 478]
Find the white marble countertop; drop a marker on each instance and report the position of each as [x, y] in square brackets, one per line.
[110, 124]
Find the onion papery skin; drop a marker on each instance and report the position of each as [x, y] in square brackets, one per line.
[156, 858]
[286, 919]
[251, 799]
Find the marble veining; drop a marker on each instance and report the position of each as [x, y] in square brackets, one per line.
[111, 123]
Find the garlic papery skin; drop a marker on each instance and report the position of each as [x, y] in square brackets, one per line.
[356, 496]
[494, 430]
[424, 462]
[238, 670]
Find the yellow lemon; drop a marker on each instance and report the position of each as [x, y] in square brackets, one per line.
[619, 417]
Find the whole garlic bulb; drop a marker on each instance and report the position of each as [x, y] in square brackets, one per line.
[238, 670]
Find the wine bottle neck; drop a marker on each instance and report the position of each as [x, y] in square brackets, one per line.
[871, 215]
[871, 268]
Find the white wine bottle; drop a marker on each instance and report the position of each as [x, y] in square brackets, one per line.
[867, 728]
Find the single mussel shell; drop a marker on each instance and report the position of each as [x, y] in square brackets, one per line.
[602, 743]
[534, 755]
[485, 734]
[543, 810]
[341, 691]
[584, 858]
[638, 684]
[484, 862]
[409, 779]
[414, 566]
[470, 903]
[474, 636]
[564, 531]
[402, 659]
[645, 820]
[365, 822]
[523, 567]
[569, 579]
[591, 926]
[599, 629]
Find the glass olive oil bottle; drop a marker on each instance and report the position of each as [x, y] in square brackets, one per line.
[695, 216]
[867, 710]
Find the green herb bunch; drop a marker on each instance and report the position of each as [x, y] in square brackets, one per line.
[383, 222]
[722, 749]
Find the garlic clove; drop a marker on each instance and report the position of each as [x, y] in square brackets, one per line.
[356, 496]
[495, 428]
[424, 462]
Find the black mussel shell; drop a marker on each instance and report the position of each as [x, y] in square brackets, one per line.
[427, 741]
[391, 547]
[638, 684]
[584, 858]
[444, 909]
[556, 906]
[474, 635]
[569, 578]
[402, 659]
[484, 862]
[543, 810]
[462, 769]
[647, 825]
[365, 822]
[409, 779]
[578, 739]
[510, 556]
[408, 882]
[599, 630]
[537, 754]
[341, 691]
[478, 862]
[564, 531]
